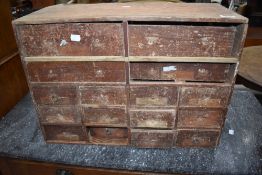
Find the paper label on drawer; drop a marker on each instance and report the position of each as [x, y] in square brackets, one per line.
[169, 68]
[74, 37]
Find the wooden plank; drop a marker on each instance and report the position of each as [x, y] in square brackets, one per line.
[74, 58]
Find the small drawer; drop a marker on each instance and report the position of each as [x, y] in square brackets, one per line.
[200, 118]
[197, 138]
[103, 95]
[76, 71]
[188, 72]
[104, 116]
[110, 136]
[152, 118]
[54, 95]
[152, 96]
[152, 138]
[181, 40]
[72, 39]
[59, 115]
[204, 96]
[63, 134]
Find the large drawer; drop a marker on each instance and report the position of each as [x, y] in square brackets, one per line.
[72, 39]
[181, 40]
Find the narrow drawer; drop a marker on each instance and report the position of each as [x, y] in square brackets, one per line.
[197, 138]
[143, 118]
[181, 40]
[113, 116]
[152, 96]
[54, 95]
[200, 118]
[72, 39]
[152, 138]
[61, 133]
[76, 71]
[110, 136]
[189, 72]
[204, 96]
[59, 115]
[103, 95]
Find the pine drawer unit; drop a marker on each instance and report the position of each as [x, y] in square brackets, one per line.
[153, 75]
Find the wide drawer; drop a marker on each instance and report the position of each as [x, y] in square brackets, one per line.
[181, 40]
[200, 118]
[152, 138]
[72, 39]
[76, 71]
[188, 72]
[103, 95]
[204, 96]
[113, 116]
[153, 95]
[197, 138]
[144, 118]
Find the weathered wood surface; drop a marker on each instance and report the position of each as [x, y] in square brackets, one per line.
[146, 11]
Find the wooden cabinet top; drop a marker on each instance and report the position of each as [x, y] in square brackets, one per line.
[141, 11]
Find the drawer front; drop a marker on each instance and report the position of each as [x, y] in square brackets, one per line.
[147, 96]
[208, 72]
[57, 71]
[204, 96]
[55, 95]
[51, 114]
[181, 40]
[104, 116]
[152, 118]
[197, 138]
[60, 133]
[112, 136]
[103, 95]
[72, 39]
[200, 118]
[152, 138]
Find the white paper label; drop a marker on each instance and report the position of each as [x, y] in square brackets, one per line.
[169, 68]
[231, 132]
[74, 37]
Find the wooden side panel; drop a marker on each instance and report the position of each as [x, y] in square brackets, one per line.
[197, 138]
[103, 95]
[181, 40]
[200, 118]
[59, 114]
[152, 138]
[152, 118]
[113, 116]
[57, 71]
[97, 39]
[204, 96]
[208, 72]
[148, 96]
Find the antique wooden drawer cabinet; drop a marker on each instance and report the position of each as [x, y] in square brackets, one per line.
[140, 74]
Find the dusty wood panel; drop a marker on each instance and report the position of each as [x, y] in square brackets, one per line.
[204, 96]
[145, 11]
[103, 95]
[59, 114]
[110, 136]
[80, 58]
[200, 118]
[58, 39]
[158, 95]
[179, 40]
[64, 133]
[54, 95]
[208, 72]
[76, 71]
[152, 118]
[104, 116]
[197, 138]
[152, 138]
